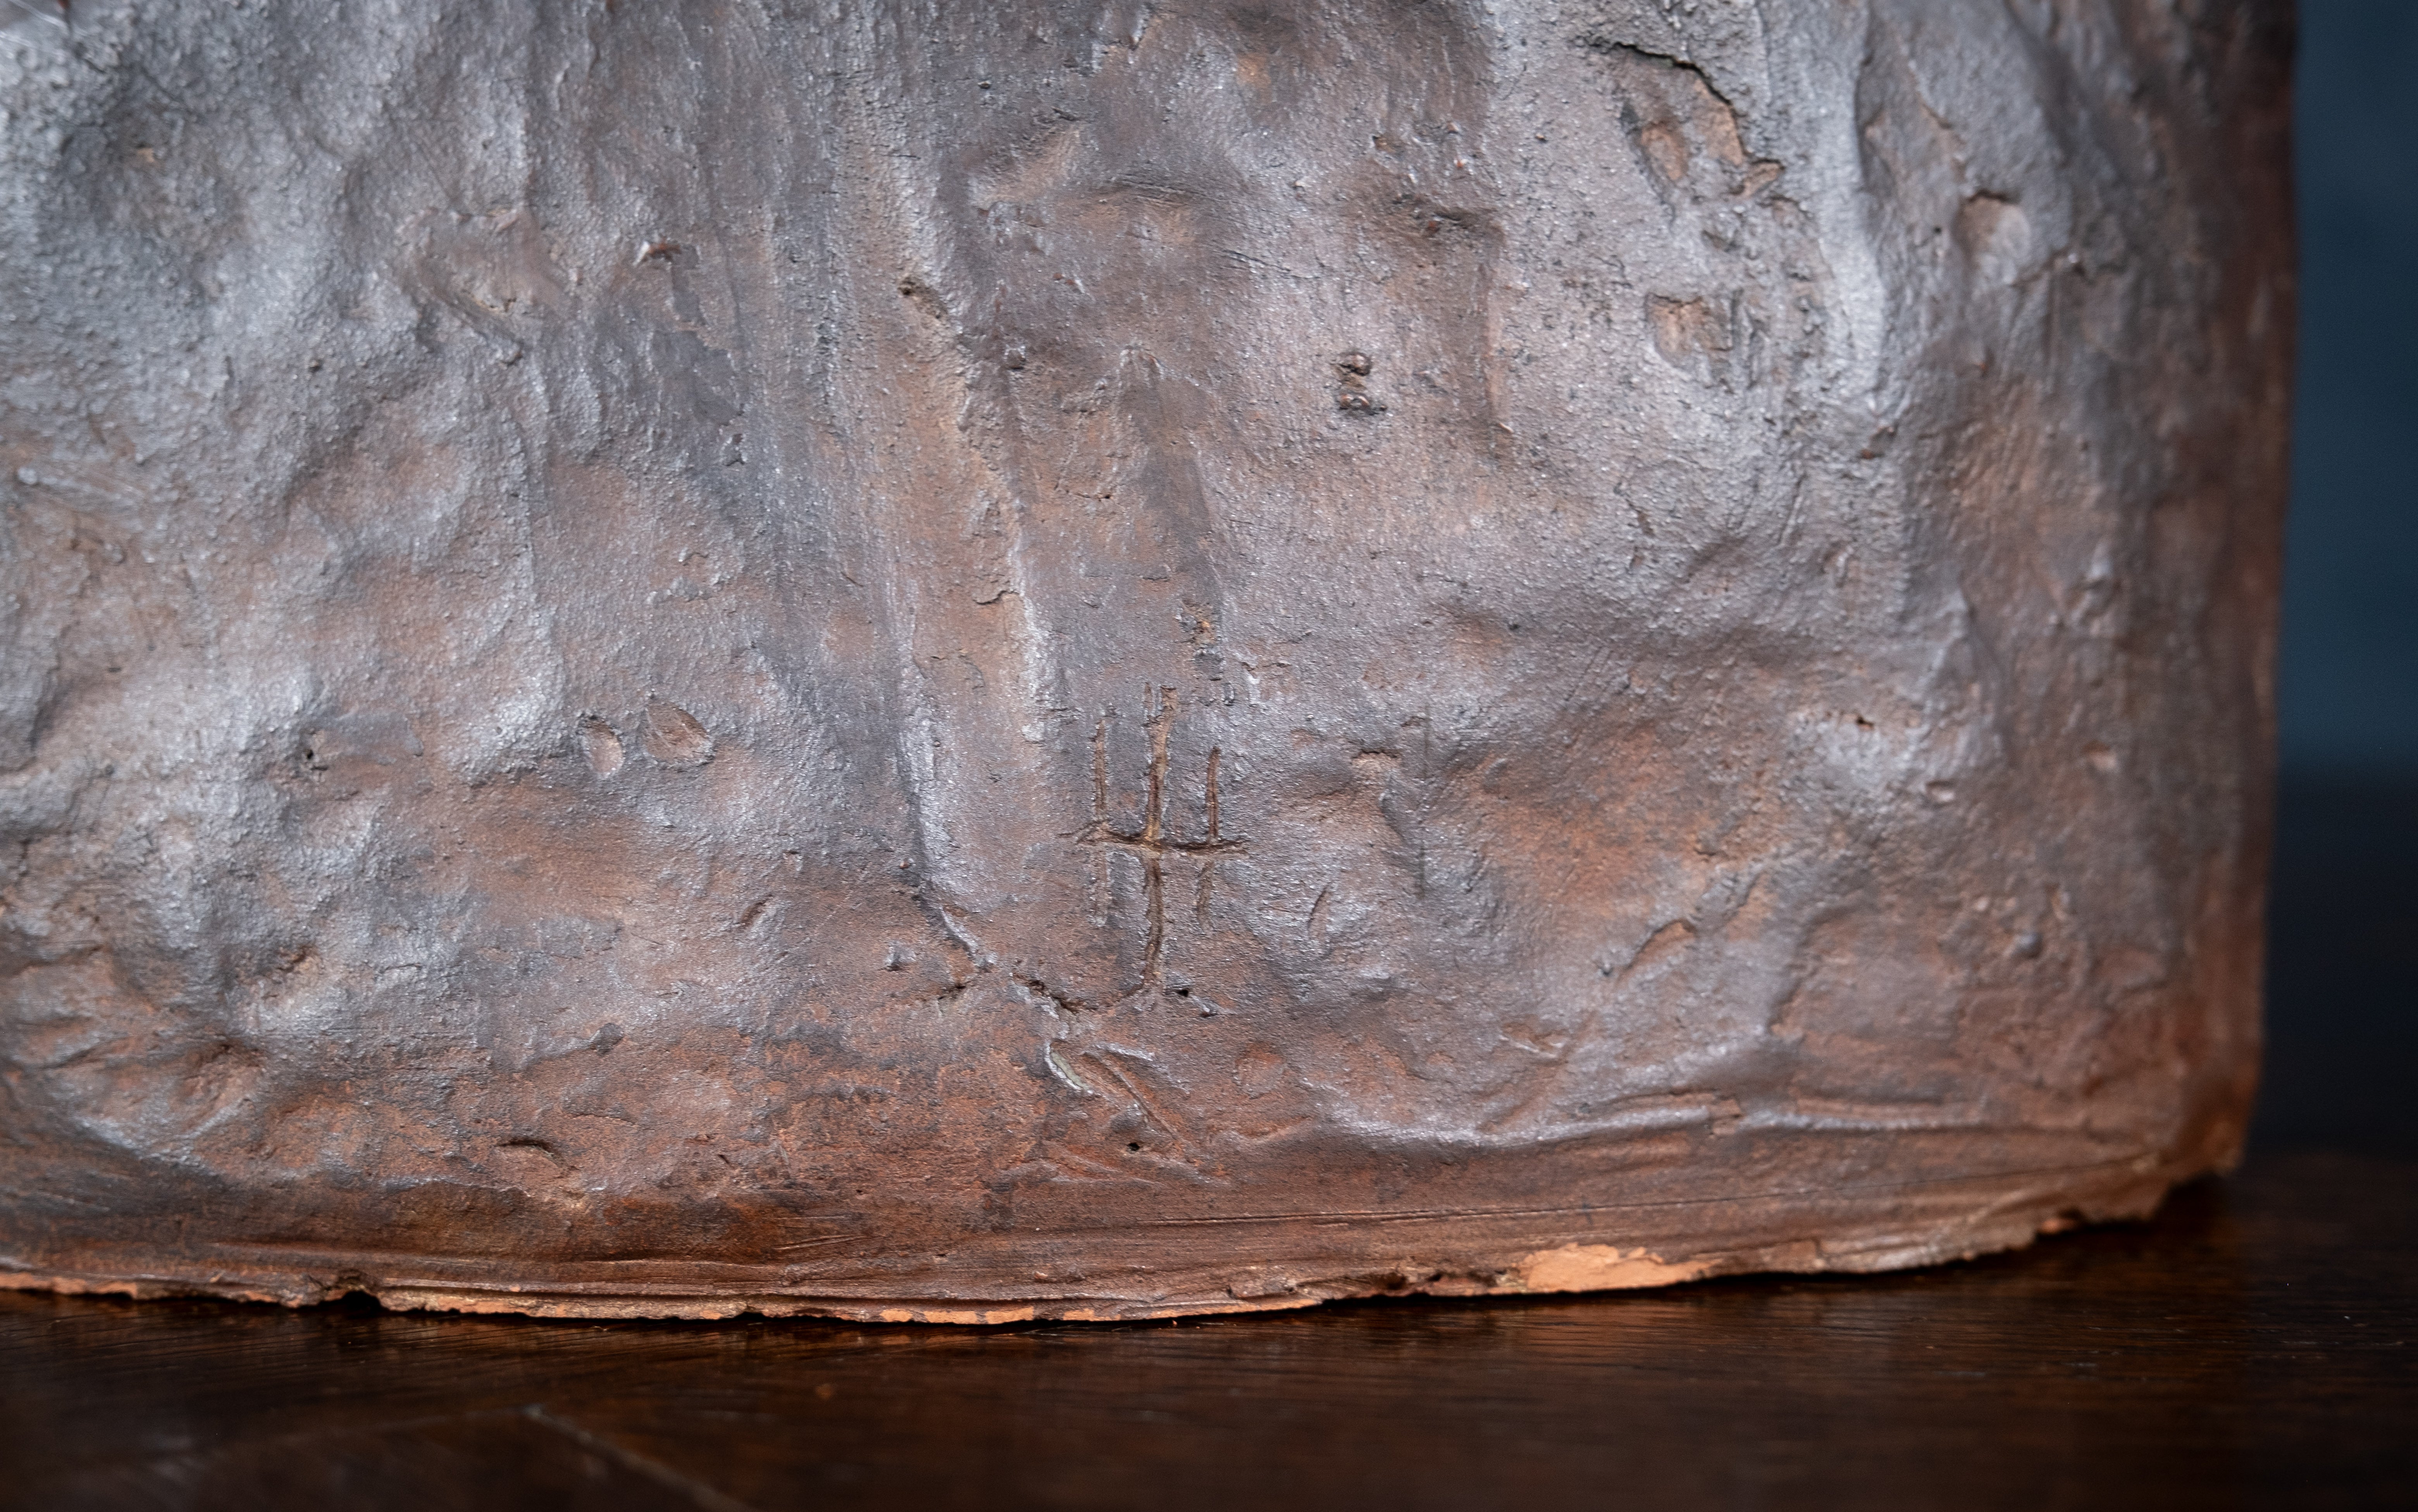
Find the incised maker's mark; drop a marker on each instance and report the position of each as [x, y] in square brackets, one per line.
[1152, 845]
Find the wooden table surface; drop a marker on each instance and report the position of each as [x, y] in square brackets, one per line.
[2257, 1344]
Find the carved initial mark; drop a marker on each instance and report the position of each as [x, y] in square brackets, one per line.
[1153, 843]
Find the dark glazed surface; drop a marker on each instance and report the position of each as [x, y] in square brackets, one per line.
[2255, 1346]
[961, 661]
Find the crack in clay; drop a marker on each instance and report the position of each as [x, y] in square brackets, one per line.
[1604, 46]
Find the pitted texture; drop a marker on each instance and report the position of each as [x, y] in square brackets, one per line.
[981, 660]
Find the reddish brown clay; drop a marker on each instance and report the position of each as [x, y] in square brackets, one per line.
[976, 662]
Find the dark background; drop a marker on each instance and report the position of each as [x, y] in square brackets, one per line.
[2343, 978]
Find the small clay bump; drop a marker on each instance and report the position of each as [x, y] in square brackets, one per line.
[601, 746]
[1352, 389]
[675, 737]
[1260, 1071]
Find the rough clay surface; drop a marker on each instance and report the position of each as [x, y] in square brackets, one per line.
[975, 661]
